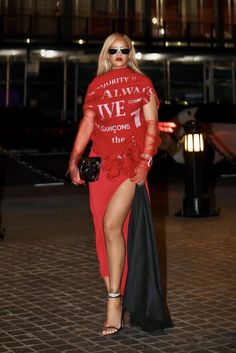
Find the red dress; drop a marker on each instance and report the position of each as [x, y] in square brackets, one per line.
[117, 98]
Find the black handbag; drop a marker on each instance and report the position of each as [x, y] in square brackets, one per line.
[89, 168]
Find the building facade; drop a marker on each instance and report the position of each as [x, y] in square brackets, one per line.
[49, 49]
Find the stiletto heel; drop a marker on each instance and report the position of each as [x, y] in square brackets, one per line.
[113, 330]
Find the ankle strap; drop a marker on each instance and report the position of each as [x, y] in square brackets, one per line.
[114, 295]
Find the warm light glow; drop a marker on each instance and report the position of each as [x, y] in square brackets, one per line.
[153, 56]
[193, 143]
[48, 53]
[138, 56]
[28, 40]
[167, 126]
[11, 52]
[154, 20]
[162, 31]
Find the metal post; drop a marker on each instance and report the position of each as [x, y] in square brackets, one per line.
[198, 161]
[204, 83]
[233, 83]
[8, 82]
[168, 79]
[25, 83]
[211, 82]
[64, 109]
[76, 93]
[164, 79]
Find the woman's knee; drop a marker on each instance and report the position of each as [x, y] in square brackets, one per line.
[111, 230]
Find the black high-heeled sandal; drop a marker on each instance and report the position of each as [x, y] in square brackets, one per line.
[115, 330]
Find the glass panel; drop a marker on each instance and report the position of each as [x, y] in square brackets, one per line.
[188, 87]
[172, 10]
[138, 18]
[208, 11]
[16, 94]
[45, 7]
[46, 90]
[81, 7]
[99, 8]
[156, 73]
[223, 85]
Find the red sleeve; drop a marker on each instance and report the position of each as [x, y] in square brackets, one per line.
[90, 98]
[148, 91]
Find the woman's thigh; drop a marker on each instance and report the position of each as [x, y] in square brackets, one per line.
[119, 205]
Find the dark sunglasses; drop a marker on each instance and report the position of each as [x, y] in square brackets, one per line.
[114, 51]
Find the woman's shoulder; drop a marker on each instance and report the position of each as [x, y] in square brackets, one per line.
[142, 76]
[98, 80]
[93, 85]
[93, 82]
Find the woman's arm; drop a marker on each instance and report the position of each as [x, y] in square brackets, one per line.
[151, 142]
[82, 138]
[152, 139]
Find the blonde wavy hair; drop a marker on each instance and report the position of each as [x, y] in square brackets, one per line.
[104, 64]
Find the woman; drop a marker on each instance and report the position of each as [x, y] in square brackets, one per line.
[120, 118]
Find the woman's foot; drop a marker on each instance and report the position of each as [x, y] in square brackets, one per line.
[114, 322]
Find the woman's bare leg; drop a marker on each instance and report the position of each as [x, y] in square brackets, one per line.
[114, 218]
[106, 280]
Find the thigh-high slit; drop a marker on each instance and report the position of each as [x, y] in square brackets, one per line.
[101, 192]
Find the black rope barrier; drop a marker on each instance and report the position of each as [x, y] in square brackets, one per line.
[30, 167]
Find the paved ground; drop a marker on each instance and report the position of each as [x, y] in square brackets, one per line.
[52, 299]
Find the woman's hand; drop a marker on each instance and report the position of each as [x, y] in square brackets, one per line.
[140, 173]
[75, 175]
[82, 138]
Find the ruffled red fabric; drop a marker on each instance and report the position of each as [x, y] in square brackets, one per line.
[123, 163]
